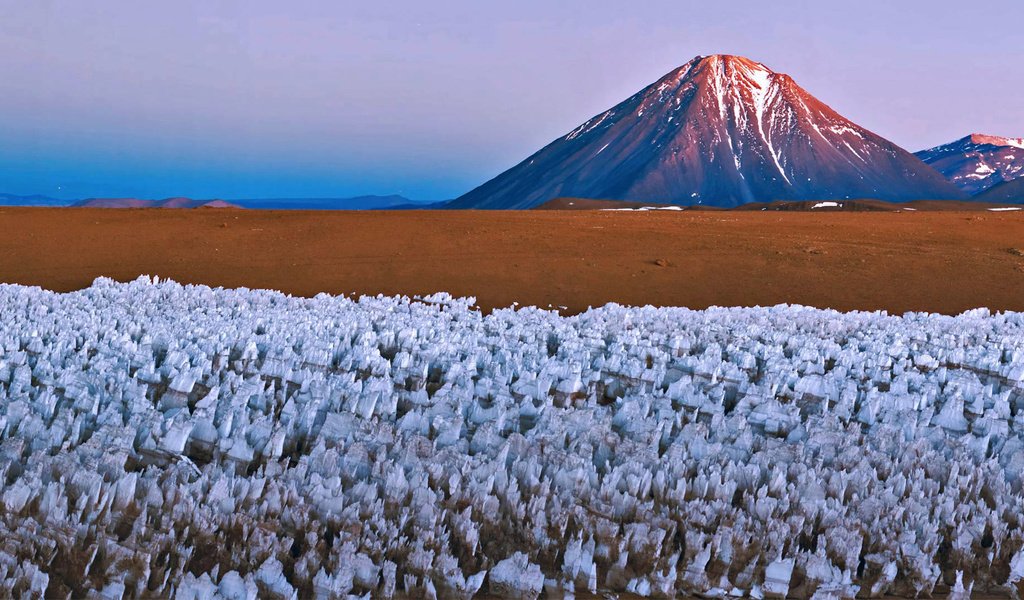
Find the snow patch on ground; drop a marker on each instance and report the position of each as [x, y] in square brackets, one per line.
[827, 205]
[642, 208]
[167, 440]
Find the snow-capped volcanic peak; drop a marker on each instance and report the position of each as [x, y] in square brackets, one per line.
[738, 79]
[735, 79]
[719, 130]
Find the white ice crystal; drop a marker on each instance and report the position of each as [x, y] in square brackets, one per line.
[181, 441]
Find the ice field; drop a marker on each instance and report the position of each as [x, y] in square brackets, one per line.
[182, 441]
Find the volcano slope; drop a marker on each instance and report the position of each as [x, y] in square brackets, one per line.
[896, 261]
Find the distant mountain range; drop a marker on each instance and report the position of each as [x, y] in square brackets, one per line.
[165, 203]
[392, 202]
[718, 131]
[978, 162]
[33, 200]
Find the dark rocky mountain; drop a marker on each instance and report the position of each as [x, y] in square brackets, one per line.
[719, 131]
[1007, 192]
[978, 162]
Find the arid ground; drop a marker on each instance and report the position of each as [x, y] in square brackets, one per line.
[898, 261]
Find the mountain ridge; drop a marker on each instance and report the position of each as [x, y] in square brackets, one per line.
[390, 202]
[175, 202]
[977, 162]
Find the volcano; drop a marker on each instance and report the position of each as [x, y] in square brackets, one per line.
[978, 162]
[718, 131]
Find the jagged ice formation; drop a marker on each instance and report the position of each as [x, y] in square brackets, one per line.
[168, 440]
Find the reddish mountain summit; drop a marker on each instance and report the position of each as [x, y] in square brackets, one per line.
[978, 162]
[718, 131]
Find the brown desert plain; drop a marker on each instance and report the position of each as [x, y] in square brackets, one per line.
[942, 261]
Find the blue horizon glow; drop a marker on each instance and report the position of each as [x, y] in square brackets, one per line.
[236, 99]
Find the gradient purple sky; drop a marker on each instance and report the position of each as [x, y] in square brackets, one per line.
[254, 98]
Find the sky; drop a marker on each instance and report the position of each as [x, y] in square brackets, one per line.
[336, 98]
